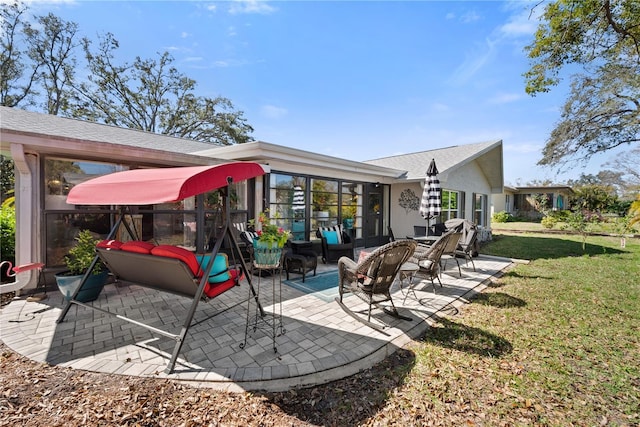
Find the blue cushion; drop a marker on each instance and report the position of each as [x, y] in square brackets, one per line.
[220, 271]
[331, 236]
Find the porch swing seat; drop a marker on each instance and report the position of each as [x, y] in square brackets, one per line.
[168, 268]
[165, 267]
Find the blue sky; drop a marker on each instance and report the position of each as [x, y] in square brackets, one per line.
[357, 79]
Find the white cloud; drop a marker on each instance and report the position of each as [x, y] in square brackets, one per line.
[474, 62]
[470, 16]
[505, 98]
[524, 22]
[251, 6]
[273, 112]
[184, 35]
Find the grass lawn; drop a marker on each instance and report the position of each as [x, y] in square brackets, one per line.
[554, 342]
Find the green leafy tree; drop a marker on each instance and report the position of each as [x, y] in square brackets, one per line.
[593, 197]
[7, 232]
[40, 62]
[580, 222]
[17, 74]
[152, 95]
[53, 48]
[7, 177]
[601, 40]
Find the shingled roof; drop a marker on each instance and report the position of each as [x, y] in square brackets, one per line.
[488, 155]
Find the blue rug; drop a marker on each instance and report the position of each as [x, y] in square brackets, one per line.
[322, 285]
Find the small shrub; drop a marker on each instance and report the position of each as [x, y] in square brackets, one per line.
[560, 216]
[548, 222]
[82, 254]
[502, 217]
[8, 232]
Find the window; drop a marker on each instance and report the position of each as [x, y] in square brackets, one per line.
[450, 205]
[351, 211]
[479, 209]
[288, 201]
[63, 222]
[324, 202]
[191, 223]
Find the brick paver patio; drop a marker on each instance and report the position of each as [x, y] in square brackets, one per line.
[321, 342]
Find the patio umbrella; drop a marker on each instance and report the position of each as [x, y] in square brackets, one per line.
[431, 204]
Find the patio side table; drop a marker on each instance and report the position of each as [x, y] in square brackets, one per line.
[408, 270]
[270, 321]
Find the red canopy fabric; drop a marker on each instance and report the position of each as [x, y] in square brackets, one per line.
[163, 185]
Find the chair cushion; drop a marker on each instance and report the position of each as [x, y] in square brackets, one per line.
[137, 246]
[220, 269]
[214, 289]
[112, 245]
[249, 236]
[362, 256]
[426, 263]
[182, 254]
[337, 228]
[331, 236]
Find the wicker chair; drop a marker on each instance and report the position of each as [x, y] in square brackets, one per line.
[428, 258]
[333, 250]
[371, 279]
[467, 246]
[450, 252]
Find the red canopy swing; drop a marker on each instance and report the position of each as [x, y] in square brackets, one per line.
[164, 185]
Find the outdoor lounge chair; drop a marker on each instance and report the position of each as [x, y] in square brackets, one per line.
[371, 279]
[428, 258]
[450, 252]
[467, 246]
[336, 243]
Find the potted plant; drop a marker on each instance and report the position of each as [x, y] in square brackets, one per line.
[269, 235]
[78, 261]
[271, 239]
[348, 216]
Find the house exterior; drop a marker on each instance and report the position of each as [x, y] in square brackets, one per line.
[305, 189]
[468, 174]
[521, 201]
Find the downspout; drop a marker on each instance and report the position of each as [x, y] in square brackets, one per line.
[27, 222]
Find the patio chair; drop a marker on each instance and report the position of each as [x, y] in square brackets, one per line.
[428, 258]
[467, 246]
[371, 279]
[449, 252]
[336, 243]
[419, 230]
[438, 229]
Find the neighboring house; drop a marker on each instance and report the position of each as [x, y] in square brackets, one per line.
[306, 189]
[521, 201]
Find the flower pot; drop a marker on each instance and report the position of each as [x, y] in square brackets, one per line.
[347, 223]
[266, 254]
[93, 286]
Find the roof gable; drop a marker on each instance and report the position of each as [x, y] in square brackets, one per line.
[488, 155]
